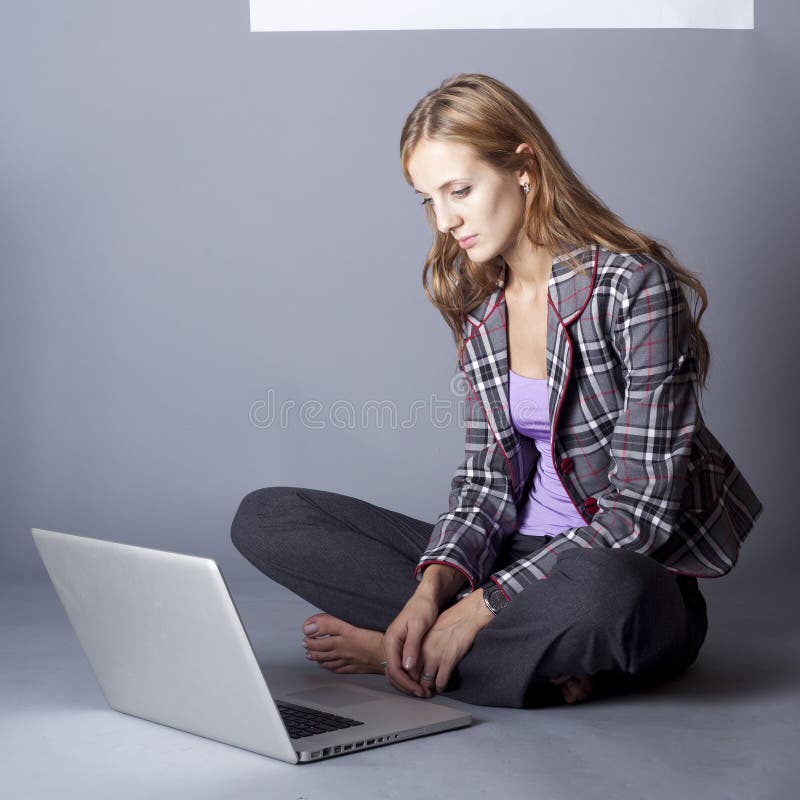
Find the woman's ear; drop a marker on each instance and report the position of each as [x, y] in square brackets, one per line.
[527, 175]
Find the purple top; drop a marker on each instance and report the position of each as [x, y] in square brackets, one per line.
[549, 509]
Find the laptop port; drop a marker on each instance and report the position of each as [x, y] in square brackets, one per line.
[326, 751]
[348, 747]
[337, 749]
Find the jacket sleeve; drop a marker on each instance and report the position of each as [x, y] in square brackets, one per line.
[651, 441]
[481, 509]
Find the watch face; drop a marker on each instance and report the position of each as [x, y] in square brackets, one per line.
[495, 599]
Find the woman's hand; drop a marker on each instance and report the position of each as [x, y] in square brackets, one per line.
[403, 638]
[402, 641]
[450, 638]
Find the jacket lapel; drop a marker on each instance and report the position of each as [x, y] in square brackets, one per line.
[485, 353]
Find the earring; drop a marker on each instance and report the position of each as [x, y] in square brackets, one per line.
[526, 188]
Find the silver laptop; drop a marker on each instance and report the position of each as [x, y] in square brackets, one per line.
[166, 644]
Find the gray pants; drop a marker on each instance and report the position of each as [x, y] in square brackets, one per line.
[613, 614]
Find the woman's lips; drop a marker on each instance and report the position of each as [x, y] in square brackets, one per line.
[468, 242]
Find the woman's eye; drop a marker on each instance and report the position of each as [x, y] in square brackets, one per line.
[457, 192]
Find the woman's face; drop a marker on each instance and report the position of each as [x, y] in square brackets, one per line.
[479, 201]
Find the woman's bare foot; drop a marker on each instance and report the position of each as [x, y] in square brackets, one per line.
[575, 689]
[341, 647]
[344, 648]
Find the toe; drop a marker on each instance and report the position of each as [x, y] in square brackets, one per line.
[580, 689]
[319, 645]
[326, 625]
[314, 625]
[319, 656]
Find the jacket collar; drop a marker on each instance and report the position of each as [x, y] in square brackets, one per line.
[487, 344]
[568, 290]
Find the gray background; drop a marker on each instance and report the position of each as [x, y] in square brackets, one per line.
[193, 216]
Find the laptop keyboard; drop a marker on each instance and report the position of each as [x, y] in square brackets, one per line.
[301, 721]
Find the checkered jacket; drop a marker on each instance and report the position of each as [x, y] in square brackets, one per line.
[627, 437]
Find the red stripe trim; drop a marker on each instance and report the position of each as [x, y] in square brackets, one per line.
[489, 313]
[424, 564]
[476, 328]
[505, 593]
[496, 437]
[566, 379]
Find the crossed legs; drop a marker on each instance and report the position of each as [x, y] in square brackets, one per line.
[612, 614]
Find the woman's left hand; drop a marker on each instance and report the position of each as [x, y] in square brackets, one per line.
[450, 638]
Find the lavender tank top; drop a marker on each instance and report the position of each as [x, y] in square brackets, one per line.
[549, 509]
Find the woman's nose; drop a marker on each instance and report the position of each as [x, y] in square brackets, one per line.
[446, 221]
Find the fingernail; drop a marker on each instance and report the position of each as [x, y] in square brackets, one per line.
[310, 628]
[409, 662]
[304, 643]
[419, 694]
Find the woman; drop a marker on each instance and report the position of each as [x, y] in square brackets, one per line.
[592, 495]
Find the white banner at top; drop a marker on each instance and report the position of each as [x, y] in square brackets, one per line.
[373, 15]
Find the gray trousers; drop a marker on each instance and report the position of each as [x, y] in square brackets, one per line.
[613, 614]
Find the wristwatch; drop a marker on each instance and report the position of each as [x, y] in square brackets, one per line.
[494, 598]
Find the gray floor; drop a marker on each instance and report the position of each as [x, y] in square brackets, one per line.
[727, 729]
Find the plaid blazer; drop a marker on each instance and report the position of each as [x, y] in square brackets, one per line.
[627, 437]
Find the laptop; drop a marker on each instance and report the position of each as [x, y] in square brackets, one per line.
[166, 644]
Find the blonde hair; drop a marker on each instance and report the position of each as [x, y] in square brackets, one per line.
[561, 214]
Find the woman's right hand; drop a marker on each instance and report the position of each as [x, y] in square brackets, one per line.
[403, 639]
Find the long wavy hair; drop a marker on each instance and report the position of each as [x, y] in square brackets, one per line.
[561, 214]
